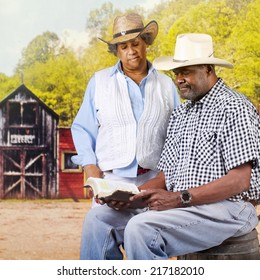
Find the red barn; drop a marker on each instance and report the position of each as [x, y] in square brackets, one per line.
[71, 176]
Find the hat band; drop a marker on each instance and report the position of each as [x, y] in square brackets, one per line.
[123, 33]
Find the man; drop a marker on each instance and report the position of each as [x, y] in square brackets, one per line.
[208, 183]
[121, 126]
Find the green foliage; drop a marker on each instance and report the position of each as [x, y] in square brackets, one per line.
[40, 50]
[60, 83]
[98, 19]
[8, 84]
[244, 44]
[59, 77]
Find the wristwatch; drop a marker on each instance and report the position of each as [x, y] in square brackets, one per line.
[186, 198]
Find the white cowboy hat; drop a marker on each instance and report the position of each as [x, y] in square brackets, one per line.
[128, 27]
[190, 49]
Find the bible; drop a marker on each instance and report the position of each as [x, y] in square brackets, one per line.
[109, 190]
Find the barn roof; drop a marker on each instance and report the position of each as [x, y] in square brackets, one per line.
[22, 88]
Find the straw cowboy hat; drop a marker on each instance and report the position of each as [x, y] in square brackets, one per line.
[128, 27]
[190, 49]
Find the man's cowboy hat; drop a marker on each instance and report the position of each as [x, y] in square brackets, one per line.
[190, 49]
[128, 27]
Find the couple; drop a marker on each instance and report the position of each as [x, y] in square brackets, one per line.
[198, 162]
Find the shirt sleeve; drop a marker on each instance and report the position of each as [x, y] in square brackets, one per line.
[240, 137]
[84, 128]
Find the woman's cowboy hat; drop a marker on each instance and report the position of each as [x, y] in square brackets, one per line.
[128, 27]
[190, 49]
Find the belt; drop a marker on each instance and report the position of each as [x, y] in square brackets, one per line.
[141, 170]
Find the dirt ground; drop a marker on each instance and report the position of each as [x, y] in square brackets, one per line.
[43, 230]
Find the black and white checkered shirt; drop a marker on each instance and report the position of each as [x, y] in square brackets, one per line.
[208, 138]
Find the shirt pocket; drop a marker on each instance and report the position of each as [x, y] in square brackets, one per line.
[205, 150]
[172, 156]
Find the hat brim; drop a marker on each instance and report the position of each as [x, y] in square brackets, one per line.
[151, 28]
[169, 63]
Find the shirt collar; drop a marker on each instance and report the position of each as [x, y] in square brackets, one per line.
[214, 94]
[208, 100]
[118, 68]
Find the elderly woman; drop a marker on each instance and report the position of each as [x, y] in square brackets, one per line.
[120, 128]
[121, 125]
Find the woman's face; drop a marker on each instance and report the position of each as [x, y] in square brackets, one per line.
[132, 53]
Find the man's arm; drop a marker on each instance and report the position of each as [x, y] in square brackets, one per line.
[156, 183]
[235, 181]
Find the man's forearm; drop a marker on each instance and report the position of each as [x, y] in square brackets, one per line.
[156, 183]
[236, 181]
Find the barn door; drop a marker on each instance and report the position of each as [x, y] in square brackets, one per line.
[24, 174]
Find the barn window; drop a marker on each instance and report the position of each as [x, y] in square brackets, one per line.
[23, 113]
[67, 165]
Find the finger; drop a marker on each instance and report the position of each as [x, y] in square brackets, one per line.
[141, 195]
[115, 204]
[100, 201]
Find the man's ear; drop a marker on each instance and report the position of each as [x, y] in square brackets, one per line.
[209, 68]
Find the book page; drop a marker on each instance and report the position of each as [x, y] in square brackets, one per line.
[109, 190]
[104, 186]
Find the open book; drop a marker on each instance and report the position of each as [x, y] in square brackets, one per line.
[109, 190]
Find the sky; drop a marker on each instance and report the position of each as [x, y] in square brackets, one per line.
[22, 20]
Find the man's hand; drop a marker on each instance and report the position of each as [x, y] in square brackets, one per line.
[159, 199]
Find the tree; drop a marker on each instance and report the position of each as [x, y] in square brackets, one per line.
[59, 78]
[8, 84]
[244, 43]
[99, 20]
[60, 83]
[234, 28]
[40, 50]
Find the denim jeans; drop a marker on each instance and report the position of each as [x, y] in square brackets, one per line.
[155, 235]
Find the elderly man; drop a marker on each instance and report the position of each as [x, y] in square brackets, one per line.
[209, 175]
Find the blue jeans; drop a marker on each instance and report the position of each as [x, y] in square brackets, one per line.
[155, 235]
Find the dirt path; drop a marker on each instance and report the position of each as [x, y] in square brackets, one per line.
[43, 230]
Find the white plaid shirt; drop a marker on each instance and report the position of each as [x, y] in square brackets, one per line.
[208, 138]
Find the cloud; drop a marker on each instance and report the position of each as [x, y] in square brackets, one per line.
[22, 20]
[75, 40]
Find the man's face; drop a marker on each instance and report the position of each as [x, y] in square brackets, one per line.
[132, 53]
[192, 81]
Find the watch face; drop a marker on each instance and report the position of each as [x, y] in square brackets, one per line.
[186, 197]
